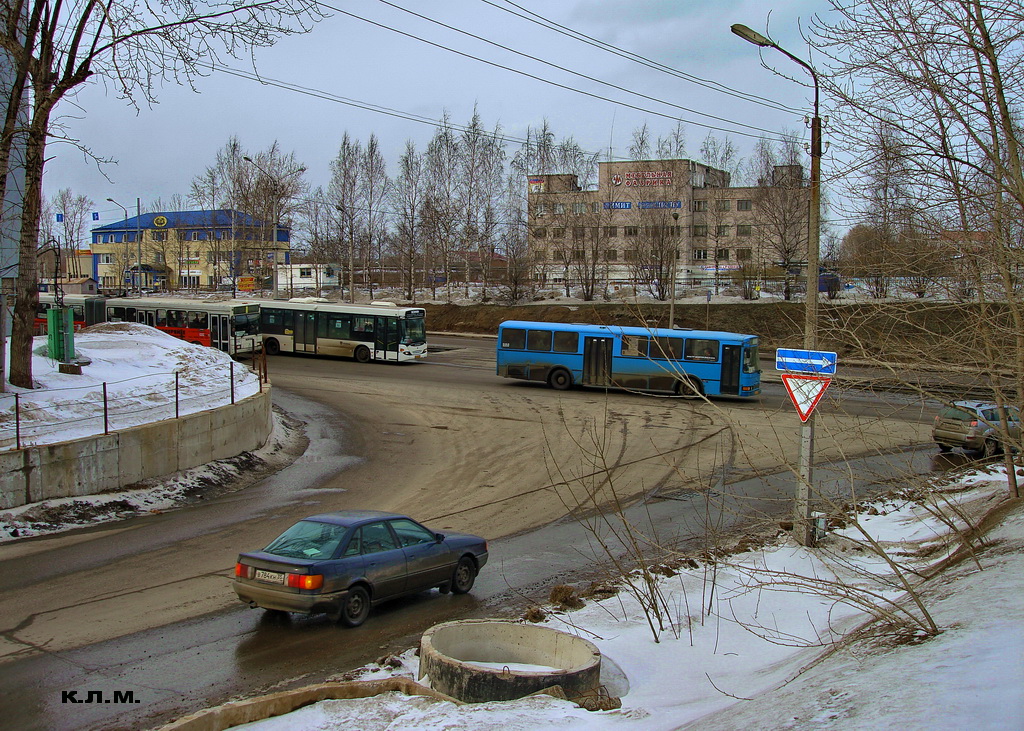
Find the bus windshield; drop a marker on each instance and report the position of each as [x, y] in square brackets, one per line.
[751, 361]
[247, 323]
[414, 331]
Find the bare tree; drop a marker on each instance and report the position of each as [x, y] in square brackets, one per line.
[375, 186]
[344, 194]
[56, 49]
[408, 197]
[74, 212]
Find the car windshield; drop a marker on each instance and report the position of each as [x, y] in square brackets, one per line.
[308, 539]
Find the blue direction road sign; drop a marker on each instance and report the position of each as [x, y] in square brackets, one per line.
[805, 361]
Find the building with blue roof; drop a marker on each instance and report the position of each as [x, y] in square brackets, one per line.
[172, 250]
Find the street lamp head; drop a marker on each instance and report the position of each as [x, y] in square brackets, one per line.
[752, 36]
[246, 158]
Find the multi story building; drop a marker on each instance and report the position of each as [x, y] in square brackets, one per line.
[186, 250]
[649, 221]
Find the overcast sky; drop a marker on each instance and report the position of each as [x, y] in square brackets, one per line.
[159, 151]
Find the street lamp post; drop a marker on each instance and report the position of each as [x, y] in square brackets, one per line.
[802, 527]
[138, 243]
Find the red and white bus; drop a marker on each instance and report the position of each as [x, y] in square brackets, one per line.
[232, 325]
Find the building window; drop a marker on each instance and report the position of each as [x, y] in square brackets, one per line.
[611, 255]
[595, 207]
[579, 208]
[629, 255]
[742, 254]
[722, 231]
[611, 231]
[722, 254]
[158, 257]
[723, 205]
[578, 232]
[540, 210]
[540, 254]
[559, 209]
[631, 230]
[743, 205]
[700, 206]
[743, 229]
[700, 254]
[558, 233]
[106, 259]
[158, 235]
[700, 231]
[577, 255]
[306, 272]
[195, 236]
[540, 233]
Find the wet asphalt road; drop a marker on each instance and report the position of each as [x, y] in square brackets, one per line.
[177, 668]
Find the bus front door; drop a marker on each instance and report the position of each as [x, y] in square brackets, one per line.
[220, 332]
[385, 338]
[597, 361]
[305, 332]
[732, 360]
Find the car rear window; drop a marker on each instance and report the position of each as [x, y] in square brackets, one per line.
[957, 415]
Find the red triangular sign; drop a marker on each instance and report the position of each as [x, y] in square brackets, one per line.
[806, 392]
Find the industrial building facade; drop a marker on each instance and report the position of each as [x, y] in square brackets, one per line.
[648, 221]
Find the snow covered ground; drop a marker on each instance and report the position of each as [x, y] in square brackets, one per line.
[138, 365]
[777, 638]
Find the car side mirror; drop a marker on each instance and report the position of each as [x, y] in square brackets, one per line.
[439, 537]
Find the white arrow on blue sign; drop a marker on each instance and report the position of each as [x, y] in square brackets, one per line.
[805, 361]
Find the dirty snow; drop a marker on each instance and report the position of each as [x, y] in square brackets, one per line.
[766, 640]
[138, 364]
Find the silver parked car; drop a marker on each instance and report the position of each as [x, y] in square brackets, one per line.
[343, 563]
[975, 425]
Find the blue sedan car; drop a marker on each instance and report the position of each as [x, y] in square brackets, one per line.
[343, 563]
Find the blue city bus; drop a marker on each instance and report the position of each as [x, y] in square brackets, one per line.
[683, 362]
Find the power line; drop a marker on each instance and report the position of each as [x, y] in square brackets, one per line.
[543, 80]
[642, 60]
[574, 73]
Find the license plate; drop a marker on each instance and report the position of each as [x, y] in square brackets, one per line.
[272, 577]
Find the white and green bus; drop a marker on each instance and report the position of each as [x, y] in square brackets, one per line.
[377, 331]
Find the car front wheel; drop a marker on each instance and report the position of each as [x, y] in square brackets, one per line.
[356, 607]
[464, 576]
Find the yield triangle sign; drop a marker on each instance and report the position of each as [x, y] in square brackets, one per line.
[806, 392]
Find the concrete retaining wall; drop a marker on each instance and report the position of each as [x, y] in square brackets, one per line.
[109, 462]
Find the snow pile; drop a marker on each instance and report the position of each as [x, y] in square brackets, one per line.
[777, 638]
[139, 366]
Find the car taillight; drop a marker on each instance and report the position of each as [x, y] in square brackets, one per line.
[305, 581]
[245, 572]
[974, 423]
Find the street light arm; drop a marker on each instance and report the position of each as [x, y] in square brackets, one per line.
[752, 36]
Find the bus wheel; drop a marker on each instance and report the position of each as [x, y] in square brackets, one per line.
[272, 347]
[689, 388]
[362, 354]
[560, 379]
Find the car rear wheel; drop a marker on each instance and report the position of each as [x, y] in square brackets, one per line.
[356, 607]
[945, 448]
[362, 354]
[464, 576]
[990, 448]
[272, 347]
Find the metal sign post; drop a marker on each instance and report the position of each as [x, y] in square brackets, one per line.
[808, 375]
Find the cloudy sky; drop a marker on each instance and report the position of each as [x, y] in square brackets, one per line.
[375, 55]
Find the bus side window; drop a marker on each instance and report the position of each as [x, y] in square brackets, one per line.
[115, 314]
[161, 318]
[567, 342]
[513, 338]
[362, 328]
[198, 320]
[538, 340]
[634, 346]
[706, 350]
[79, 313]
[668, 348]
[340, 327]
